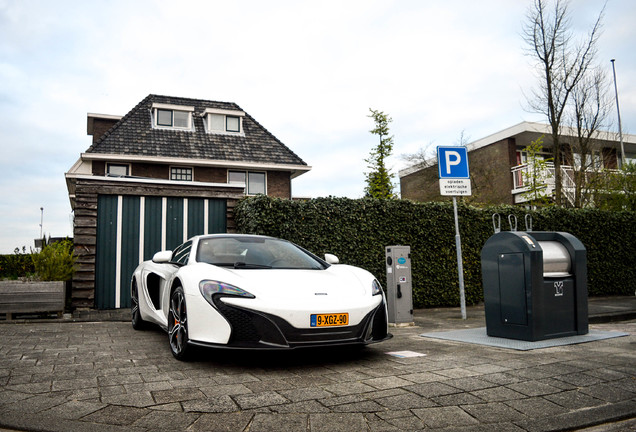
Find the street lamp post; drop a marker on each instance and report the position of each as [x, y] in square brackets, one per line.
[620, 127]
[41, 220]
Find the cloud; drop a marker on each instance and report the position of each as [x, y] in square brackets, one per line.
[307, 71]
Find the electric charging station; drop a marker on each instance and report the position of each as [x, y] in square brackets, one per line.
[399, 285]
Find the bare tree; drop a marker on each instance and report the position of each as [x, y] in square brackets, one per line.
[463, 140]
[422, 158]
[589, 114]
[561, 65]
[425, 156]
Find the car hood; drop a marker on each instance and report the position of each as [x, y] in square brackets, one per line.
[336, 281]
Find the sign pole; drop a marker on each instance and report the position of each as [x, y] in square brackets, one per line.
[460, 266]
[454, 180]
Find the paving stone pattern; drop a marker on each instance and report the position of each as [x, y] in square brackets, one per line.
[104, 376]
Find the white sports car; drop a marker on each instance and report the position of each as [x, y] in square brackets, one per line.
[247, 291]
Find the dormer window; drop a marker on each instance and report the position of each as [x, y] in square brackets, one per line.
[173, 118]
[220, 121]
[166, 116]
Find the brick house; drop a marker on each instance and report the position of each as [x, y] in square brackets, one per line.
[497, 163]
[169, 169]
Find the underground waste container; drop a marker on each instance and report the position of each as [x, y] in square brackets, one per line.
[535, 285]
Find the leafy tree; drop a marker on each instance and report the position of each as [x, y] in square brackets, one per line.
[535, 178]
[379, 178]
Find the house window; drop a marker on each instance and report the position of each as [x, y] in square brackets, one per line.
[255, 183]
[236, 177]
[224, 121]
[216, 122]
[117, 170]
[181, 173]
[164, 117]
[172, 116]
[232, 124]
[522, 157]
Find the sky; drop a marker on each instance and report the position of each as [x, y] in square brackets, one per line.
[445, 71]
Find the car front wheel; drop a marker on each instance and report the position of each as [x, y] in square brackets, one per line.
[178, 325]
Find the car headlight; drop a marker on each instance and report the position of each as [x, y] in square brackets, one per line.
[376, 288]
[209, 288]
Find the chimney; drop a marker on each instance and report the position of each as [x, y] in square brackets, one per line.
[98, 124]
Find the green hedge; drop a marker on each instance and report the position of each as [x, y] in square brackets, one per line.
[16, 265]
[357, 231]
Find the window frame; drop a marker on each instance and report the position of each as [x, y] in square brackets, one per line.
[208, 123]
[158, 115]
[226, 115]
[119, 165]
[188, 110]
[237, 182]
[247, 182]
[179, 167]
[227, 123]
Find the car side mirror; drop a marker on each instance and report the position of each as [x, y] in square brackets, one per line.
[331, 259]
[162, 257]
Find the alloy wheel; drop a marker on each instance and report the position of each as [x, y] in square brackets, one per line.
[178, 325]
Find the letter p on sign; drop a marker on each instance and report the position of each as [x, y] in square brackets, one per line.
[452, 158]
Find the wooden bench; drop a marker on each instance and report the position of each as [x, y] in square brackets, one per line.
[32, 297]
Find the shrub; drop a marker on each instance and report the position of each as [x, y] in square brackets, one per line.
[357, 231]
[55, 262]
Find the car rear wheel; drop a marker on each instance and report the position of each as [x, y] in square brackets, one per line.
[137, 322]
[178, 325]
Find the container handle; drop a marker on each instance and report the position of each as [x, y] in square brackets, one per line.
[528, 219]
[496, 225]
[512, 217]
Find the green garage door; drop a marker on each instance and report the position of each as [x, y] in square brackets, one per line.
[131, 229]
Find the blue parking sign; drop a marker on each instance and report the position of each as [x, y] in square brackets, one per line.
[452, 162]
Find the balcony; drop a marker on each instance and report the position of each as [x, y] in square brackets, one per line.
[521, 177]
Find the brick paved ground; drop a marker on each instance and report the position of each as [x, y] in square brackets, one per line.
[104, 376]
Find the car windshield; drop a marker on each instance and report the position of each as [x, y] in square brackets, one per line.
[255, 253]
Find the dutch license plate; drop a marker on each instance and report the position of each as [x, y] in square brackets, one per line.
[328, 320]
